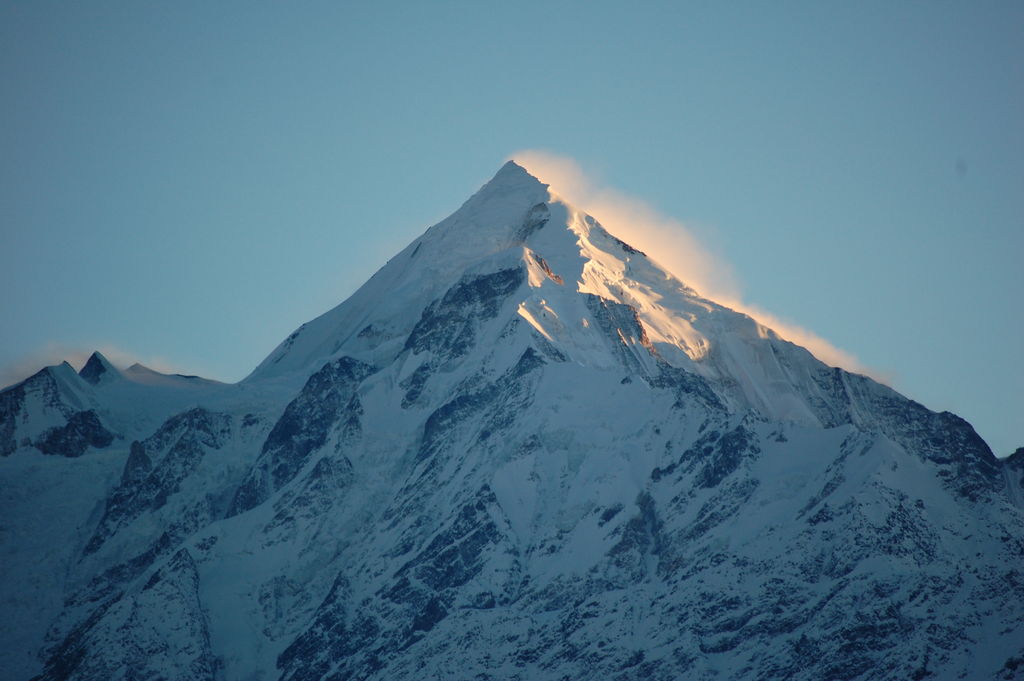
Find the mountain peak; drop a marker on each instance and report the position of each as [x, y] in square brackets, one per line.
[513, 173]
[518, 414]
[97, 368]
[512, 184]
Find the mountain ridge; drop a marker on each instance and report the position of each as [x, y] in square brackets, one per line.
[521, 450]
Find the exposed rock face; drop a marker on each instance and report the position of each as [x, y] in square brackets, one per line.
[522, 451]
[82, 430]
[40, 406]
[327, 399]
[158, 631]
[178, 447]
[97, 369]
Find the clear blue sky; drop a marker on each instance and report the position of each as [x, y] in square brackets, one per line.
[191, 181]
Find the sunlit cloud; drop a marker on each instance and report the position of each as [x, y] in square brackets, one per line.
[673, 245]
[665, 240]
[55, 353]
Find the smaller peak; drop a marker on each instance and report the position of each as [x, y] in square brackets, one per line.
[51, 374]
[140, 373]
[97, 368]
[64, 369]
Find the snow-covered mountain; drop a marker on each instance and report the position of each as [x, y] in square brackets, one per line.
[522, 450]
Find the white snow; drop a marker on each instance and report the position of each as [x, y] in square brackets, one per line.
[569, 468]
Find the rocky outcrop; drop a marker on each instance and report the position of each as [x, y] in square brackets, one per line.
[157, 631]
[328, 400]
[83, 430]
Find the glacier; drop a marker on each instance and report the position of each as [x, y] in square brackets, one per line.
[522, 450]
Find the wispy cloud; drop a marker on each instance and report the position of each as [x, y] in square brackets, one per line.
[673, 245]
